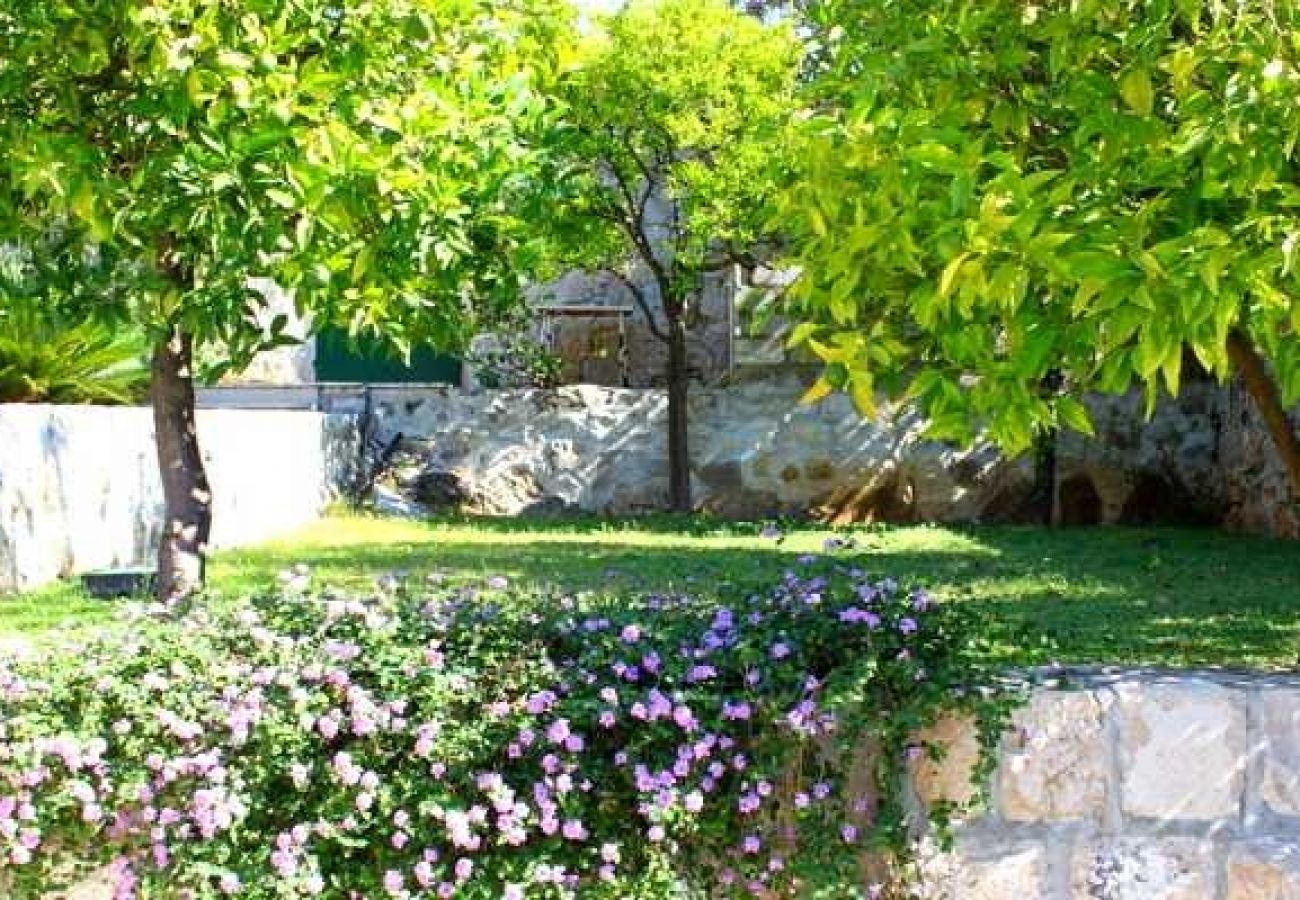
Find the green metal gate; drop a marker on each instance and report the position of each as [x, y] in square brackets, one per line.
[339, 358]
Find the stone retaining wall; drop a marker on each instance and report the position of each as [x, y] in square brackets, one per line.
[756, 452]
[1131, 786]
[1203, 458]
[79, 485]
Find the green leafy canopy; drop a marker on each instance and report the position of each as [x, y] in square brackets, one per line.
[671, 130]
[994, 192]
[155, 155]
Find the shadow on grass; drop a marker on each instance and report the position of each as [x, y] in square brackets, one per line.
[1137, 596]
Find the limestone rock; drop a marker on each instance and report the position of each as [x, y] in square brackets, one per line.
[950, 779]
[1182, 750]
[1280, 729]
[1264, 870]
[1016, 873]
[1144, 869]
[1054, 766]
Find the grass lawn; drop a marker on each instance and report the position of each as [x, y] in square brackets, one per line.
[1116, 595]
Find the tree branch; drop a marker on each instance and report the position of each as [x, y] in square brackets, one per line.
[1268, 403]
[639, 296]
[633, 228]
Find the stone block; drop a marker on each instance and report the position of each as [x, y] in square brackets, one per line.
[1279, 726]
[950, 779]
[1264, 870]
[989, 872]
[1182, 750]
[1143, 869]
[1054, 765]
[1017, 875]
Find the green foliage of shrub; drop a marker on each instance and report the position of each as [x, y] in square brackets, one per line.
[45, 360]
[479, 742]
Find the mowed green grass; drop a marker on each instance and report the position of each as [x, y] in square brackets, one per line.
[1158, 596]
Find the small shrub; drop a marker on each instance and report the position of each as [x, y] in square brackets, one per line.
[482, 743]
[45, 360]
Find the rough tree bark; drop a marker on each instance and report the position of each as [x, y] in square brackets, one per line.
[1263, 391]
[187, 525]
[679, 445]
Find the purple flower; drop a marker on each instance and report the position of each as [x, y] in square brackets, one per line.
[684, 718]
[906, 626]
[558, 732]
[734, 711]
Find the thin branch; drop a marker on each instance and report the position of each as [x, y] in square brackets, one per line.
[636, 234]
[639, 296]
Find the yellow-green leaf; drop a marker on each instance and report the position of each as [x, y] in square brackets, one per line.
[1074, 415]
[1136, 89]
[862, 391]
[949, 277]
[820, 390]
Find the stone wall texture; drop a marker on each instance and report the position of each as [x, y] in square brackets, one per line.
[1203, 458]
[756, 451]
[1129, 786]
[79, 486]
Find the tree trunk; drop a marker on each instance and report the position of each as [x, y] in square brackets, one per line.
[679, 445]
[1263, 391]
[1045, 502]
[188, 523]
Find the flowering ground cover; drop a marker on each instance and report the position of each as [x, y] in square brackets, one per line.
[1119, 595]
[487, 740]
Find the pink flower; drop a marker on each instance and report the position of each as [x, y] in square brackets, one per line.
[574, 830]
[464, 869]
[394, 883]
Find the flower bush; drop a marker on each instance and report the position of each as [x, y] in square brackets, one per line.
[482, 743]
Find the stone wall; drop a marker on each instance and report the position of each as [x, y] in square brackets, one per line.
[1257, 493]
[1130, 786]
[79, 485]
[1203, 458]
[757, 452]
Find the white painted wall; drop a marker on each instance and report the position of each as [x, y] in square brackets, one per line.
[79, 487]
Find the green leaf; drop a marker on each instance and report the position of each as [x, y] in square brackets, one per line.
[1074, 415]
[1136, 89]
[281, 198]
[862, 391]
[948, 280]
[935, 155]
[801, 333]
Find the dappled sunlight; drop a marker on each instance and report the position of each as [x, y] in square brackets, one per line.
[1127, 595]
[1158, 596]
